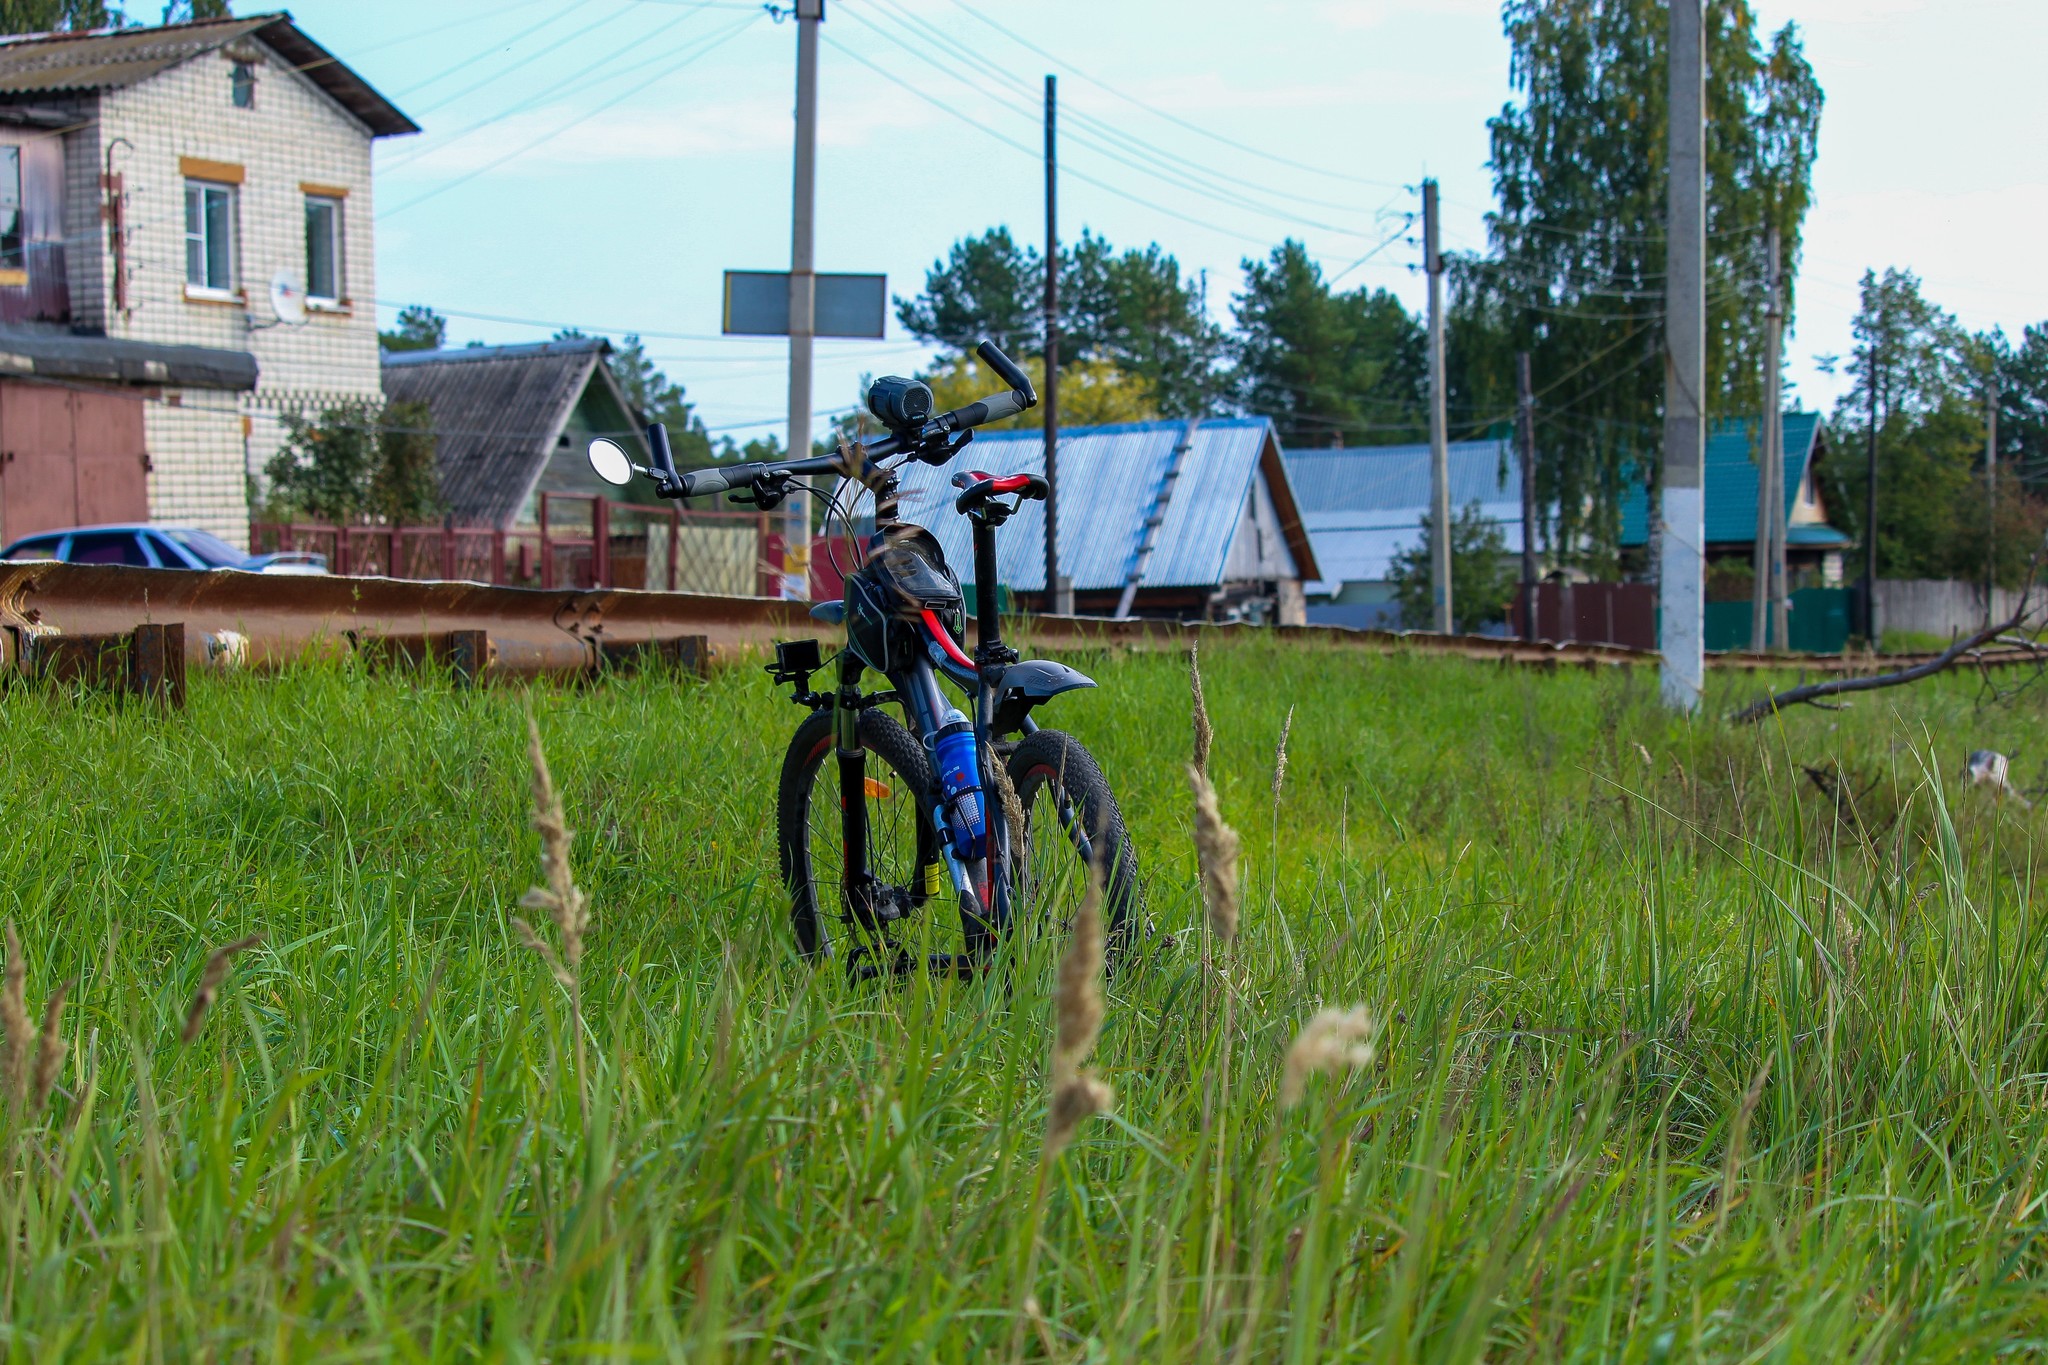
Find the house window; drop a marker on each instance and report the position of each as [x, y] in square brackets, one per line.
[243, 84]
[209, 237]
[323, 248]
[13, 256]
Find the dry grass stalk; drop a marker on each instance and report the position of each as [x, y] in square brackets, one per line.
[1216, 846]
[1332, 1042]
[1077, 1023]
[50, 1048]
[1013, 812]
[1280, 756]
[1205, 734]
[215, 972]
[14, 1021]
[561, 897]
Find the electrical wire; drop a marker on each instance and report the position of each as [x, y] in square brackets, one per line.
[703, 50]
[1175, 119]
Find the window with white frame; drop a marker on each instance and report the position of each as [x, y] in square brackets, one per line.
[323, 248]
[13, 253]
[209, 237]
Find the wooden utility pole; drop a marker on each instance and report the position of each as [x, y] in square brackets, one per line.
[1057, 598]
[1439, 450]
[1682, 557]
[1767, 612]
[1525, 434]
[796, 556]
[1870, 511]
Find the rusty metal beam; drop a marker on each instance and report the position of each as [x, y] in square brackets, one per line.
[528, 632]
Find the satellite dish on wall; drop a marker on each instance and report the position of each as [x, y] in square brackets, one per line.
[287, 300]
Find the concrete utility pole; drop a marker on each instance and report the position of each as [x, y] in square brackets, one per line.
[1525, 445]
[1767, 613]
[1058, 597]
[1870, 510]
[1439, 452]
[1682, 620]
[796, 560]
[1990, 498]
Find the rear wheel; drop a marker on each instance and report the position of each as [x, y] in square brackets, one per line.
[1072, 825]
[903, 853]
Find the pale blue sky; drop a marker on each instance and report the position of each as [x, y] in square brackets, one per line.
[600, 162]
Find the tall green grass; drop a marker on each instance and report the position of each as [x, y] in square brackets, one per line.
[1683, 1051]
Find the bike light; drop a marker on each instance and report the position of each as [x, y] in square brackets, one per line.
[897, 402]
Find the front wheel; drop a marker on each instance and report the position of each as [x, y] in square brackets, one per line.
[1072, 826]
[903, 852]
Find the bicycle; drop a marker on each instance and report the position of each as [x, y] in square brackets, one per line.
[947, 815]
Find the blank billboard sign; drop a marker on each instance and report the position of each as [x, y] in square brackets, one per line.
[757, 304]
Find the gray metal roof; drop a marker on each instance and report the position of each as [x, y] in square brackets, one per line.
[1110, 479]
[498, 414]
[60, 355]
[42, 63]
[1365, 504]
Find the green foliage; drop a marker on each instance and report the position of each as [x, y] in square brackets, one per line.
[419, 328]
[1575, 273]
[2023, 405]
[1934, 517]
[1483, 576]
[1679, 1055]
[1131, 309]
[357, 461]
[54, 16]
[1328, 368]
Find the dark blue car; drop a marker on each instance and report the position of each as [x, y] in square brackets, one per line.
[155, 547]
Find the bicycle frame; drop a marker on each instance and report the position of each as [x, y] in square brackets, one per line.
[1001, 690]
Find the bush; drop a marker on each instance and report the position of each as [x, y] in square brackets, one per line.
[363, 460]
[1482, 575]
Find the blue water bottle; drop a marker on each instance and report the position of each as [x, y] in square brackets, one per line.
[960, 784]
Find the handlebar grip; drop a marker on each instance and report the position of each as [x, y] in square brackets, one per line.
[992, 355]
[700, 483]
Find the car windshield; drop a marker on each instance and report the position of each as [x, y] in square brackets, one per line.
[44, 547]
[209, 549]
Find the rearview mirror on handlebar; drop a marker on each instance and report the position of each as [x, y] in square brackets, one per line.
[610, 462]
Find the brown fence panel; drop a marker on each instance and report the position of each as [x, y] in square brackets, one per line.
[1622, 614]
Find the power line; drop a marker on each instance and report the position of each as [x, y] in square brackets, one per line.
[705, 48]
[1174, 119]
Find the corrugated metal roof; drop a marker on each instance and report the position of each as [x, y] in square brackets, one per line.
[1365, 504]
[498, 412]
[1730, 478]
[1109, 482]
[51, 62]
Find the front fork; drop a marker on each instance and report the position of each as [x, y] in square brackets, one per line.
[857, 879]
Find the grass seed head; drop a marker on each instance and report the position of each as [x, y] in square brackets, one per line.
[1082, 1097]
[1280, 756]
[1077, 1023]
[1332, 1042]
[14, 1022]
[1216, 846]
[215, 972]
[51, 1047]
[561, 897]
[1204, 733]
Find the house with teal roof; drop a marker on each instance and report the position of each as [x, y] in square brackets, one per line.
[1813, 548]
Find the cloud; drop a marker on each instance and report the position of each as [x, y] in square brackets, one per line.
[1361, 14]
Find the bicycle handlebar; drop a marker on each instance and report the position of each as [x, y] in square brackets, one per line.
[698, 483]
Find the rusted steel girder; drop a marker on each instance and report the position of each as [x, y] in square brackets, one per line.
[269, 619]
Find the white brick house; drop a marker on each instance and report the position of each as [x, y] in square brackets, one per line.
[194, 165]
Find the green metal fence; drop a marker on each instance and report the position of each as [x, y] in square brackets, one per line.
[1818, 622]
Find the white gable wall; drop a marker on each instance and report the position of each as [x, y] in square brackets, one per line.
[204, 444]
[1258, 549]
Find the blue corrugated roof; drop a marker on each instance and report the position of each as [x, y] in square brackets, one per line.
[1730, 478]
[1109, 482]
[1365, 504]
